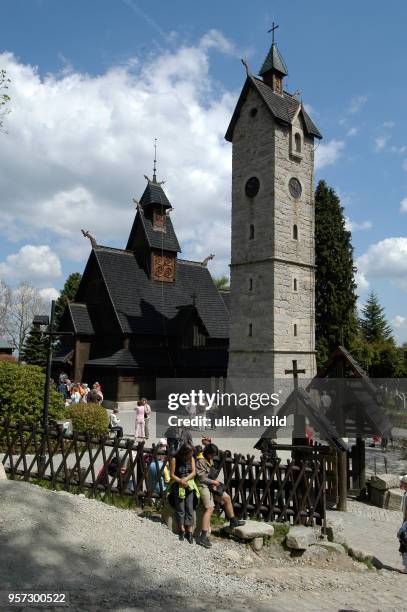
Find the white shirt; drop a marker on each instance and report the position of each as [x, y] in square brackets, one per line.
[147, 410]
[114, 420]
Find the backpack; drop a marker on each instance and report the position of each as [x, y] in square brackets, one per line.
[402, 537]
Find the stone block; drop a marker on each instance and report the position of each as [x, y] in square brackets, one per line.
[334, 527]
[394, 498]
[299, 537]
[316, 552]
[333, 547]
[385, 481]
[257, 544]
[251, 530]
[3, 475]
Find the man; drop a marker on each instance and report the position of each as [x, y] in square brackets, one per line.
[147, 414]
[211, 491]
[114, 423]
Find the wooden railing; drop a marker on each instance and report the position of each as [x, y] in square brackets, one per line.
[294, 492]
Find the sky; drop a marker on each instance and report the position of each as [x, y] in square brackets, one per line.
[93, 82]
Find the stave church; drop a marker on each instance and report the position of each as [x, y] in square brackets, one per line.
[143, 312]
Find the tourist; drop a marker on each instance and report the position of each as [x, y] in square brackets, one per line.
[183, 489]
[147, 414]
[402, 532]
[325, 401]
[212, 490]
[75, 395]
[99, 392]
[158, 485]
[114, 423]
[140, 412]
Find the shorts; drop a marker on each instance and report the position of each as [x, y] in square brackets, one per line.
[208, 498]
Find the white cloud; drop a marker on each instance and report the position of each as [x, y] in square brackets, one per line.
[31, 263]
[381, 142]
[399, 324]
[389, 125]
[386, 259]
[352, 131]
[49, 293]
[361, 282]
[353, 226]
[327, 154]
[78, 147]
[399, 321]
[357, 103]
[403, 205]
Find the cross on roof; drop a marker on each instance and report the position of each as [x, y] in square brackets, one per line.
[273, 29]
[295, 371]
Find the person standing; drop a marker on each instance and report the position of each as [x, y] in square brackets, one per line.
[140, 412]
[402, 532]
[147, 415]
[183, 489]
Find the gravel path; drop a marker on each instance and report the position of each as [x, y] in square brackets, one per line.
[111, 559]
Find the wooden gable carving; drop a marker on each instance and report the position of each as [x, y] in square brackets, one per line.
[159, 219]
[163, 267]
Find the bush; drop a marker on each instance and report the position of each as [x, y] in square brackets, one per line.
[89, 418]
[22, 394]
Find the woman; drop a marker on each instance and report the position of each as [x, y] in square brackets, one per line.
[147, 414]
[183, 489]
[140, 413]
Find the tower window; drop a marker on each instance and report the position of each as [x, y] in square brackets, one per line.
[297, 140]
[251, 231]
[295, 329]
[250, 284]
[295, 232]
[295, 284]
[250, 330]
[253, 112]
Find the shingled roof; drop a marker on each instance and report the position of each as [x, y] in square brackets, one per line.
[144, 306]
[157, 239]
[283, 108]
[80, 319]
[274, 61]
[154, 194]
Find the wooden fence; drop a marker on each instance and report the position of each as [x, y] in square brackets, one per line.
[293, 492]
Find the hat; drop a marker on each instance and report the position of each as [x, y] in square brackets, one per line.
[163, 441]
[403, 479]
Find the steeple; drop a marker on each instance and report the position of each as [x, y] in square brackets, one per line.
[274, 68]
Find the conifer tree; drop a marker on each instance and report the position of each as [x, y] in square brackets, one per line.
[373, 321]
[67, 294]
[34, 351]
[335, 297]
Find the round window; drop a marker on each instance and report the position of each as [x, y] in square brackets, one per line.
[295, 187]
[252, 187]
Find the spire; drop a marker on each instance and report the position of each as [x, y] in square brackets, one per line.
[155, 161]
[274, 68]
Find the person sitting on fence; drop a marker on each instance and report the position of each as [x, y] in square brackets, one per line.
[140, 411]
[157, 466]
[114, 423]
[182, 490]
[212, 490]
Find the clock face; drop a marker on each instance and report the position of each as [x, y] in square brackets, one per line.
[252, 187]
[295, 187]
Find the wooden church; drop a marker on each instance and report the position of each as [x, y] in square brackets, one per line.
[143, 313]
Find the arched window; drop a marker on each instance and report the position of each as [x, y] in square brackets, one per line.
[250, 284]
[251, 231]
[295, 232]
[250, 329]
[297, 140]
[295, 284]
[295, 329]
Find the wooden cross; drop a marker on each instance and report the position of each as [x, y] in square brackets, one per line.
[295, 371]
[273, 29]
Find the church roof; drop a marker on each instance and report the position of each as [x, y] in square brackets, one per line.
[154, 194]
[283, 108]
[144, 306]
[80, 319]
[274, 61]
[157, 239]
[185, 358]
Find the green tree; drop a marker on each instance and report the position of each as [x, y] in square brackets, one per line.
[22, 394]
[67, 294]
[373, 323]
[222, 283]
[335, 297]
[34, 351]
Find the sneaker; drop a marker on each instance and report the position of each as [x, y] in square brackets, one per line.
[236, 523]
[181, 536]
[204, 541]
[189, 538]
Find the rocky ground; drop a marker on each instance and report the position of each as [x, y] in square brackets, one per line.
[111, 559]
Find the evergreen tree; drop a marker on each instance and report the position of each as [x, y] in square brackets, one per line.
[373, 321]
[335, 297]
[67, 295]
[34, 351]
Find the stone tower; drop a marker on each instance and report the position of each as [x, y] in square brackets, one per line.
[272, 260]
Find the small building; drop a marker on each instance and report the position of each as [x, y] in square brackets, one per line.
[6, 347]
[143, 313]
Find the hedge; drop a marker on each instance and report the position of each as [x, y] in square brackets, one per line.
[89, 418]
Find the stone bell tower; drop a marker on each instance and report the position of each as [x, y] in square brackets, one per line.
[272, 260]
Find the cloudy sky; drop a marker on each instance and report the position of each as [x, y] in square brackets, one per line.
[93, 83]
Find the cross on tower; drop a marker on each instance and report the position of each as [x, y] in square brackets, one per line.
[295, 371]
[155, 161]
[273, 29]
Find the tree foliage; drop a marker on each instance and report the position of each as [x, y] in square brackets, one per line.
[89, 418]
[335, 296]
[67, 294]
[22, 394]
[35, 348]
[373, 321]
[222, 283]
